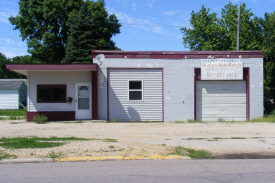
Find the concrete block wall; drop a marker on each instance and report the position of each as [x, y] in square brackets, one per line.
[255, 86]
[178, 83]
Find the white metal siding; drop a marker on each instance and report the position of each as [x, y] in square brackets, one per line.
[68, 78]
[221, 100]
[150, 108]
[9, 99]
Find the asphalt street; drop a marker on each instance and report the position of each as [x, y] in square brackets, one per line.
[248, 170]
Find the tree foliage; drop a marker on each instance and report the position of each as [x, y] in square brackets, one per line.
[204, 33]
[6, 74]
[45, 25]
[268, 45]
[207, 32]
[91, 28]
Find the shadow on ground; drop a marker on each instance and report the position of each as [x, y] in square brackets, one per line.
[245, 156]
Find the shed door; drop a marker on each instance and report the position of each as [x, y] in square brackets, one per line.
[135, 94]
[225, 100]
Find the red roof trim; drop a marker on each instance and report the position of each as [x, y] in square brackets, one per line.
[179, 54]
[51, 66]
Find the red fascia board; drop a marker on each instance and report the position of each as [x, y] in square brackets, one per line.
[179, 54]
[51, 66]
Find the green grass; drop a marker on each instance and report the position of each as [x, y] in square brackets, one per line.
[199, 154]
[40, 119]
[20, 112]
[55, 155]
[35, 142]
[195, 139]
[109, 140]
[219, 138]
[111, 146]
[4, 155]
[189, 121]
[221, 120]
[263, 119]
[192, 121]
[114, 120]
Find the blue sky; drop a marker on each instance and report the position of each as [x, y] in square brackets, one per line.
[147, 25]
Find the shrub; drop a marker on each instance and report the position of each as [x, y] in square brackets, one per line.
[40, 119]
[114, 120]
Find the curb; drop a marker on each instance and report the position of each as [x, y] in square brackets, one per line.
[74, 159]
[153, 157]
[27, 160]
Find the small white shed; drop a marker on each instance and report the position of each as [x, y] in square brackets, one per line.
[12, 93]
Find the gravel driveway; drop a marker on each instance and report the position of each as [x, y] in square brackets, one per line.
[142, 139]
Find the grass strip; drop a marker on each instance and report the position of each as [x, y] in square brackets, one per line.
[4, 155]
[199, 154]
[270, 119]
[219, 138]
[20, 112]
[35, 142]
[41, 142]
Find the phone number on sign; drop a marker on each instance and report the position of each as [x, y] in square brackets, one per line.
[221, 75]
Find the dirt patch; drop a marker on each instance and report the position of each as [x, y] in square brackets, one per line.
[142, 139]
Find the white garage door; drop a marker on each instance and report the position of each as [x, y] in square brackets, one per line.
[135, 94]
[224, 100]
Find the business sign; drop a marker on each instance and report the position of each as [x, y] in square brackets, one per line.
[221, 69]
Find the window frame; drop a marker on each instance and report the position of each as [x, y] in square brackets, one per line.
[52, 101]
[129, 90]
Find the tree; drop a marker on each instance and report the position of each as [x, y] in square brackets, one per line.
[268, 45]
[248, 27]
[205, 32]
[44, 24]
[208, 32]
[26, 59]
[4, 73]
[91, 28]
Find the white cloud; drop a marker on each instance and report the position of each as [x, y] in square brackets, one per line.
[234, 1]
[157, 29]
[9, 41]
[217, 9]
[4, 17]
[8, 2]
[150, 25]
[170, 13]
[134, 7]
[137, 23]
[13, 52]
[151, 3]
[5, 14]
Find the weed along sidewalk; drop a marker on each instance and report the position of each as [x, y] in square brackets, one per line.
[94, 141]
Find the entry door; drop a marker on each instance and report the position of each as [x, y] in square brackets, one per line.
[83, 100]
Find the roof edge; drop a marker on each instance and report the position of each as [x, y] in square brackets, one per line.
[51, 66]
[179, 54]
